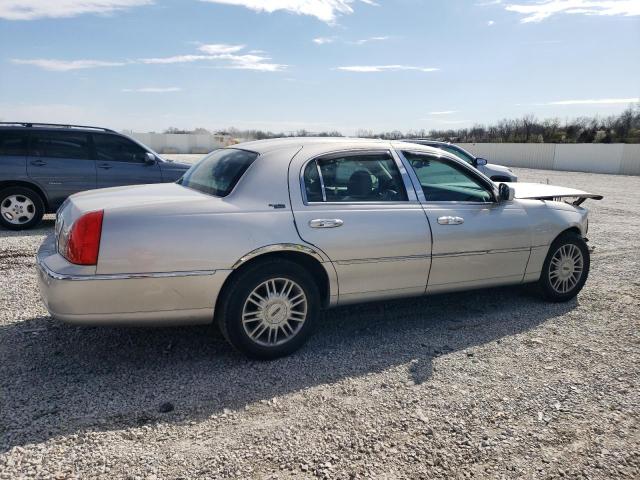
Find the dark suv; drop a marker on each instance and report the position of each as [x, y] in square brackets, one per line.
[42, 164]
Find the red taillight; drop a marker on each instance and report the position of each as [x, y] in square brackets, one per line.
[84, 239]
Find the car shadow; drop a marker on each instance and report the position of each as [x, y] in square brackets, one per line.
[57, 379]
[43, 228]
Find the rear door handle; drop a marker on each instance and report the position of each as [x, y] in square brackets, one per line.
[105, 166]
[38, 163]
[447, 220]
[326, 223]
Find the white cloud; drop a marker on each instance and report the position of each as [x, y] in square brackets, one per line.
[218, 48]
[33, 9]
[536, 12]
[324, 40]
[252, 62]
[325, 10]
[153, 89]
[370, 39]
[443, 112]
[65, 65]
[601, 101]
[175, 59]
[239, 62]
[385, 68]
[491, 23]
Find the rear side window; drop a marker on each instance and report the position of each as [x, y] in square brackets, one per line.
[74, 145]
[13, 143]
[112, 148]
[371, 177]
[218, 173]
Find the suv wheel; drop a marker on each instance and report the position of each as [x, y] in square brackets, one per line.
[20, 208]
[269, 309]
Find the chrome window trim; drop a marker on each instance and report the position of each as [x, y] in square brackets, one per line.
[411, 194]
[118, 276]
[324, 191]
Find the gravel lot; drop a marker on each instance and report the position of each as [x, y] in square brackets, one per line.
[485, 384]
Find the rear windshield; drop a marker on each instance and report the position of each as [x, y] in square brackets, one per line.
[218, 172]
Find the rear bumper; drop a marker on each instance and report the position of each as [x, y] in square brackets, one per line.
[164, 298]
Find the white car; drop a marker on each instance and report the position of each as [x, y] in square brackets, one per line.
[497, 173]
[261, 236]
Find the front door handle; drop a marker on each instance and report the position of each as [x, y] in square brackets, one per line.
[447, 220]
[326, 223]
[38, 163]
[105, 166]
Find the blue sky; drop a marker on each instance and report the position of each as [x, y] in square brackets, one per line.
[327, 64]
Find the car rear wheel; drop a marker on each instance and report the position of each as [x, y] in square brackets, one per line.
[269, 309]
[20, 208]
[565, 269]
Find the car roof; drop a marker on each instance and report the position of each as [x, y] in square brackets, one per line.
[263, 146]
[31, 126]
[330, 143]
[426, 141]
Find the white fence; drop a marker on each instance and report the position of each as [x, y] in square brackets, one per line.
[616, 158]
[180, 143]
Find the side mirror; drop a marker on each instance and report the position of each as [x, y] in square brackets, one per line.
[506, 193]
[149, 158]
[481, 161]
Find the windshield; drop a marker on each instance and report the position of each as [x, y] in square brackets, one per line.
[218, 172]
[458, 152]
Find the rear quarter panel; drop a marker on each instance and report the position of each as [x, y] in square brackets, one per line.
[208, 234]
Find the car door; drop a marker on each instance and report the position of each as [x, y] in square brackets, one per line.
[60, 163]
[360, 208]
[120, 161]
[13, 154]
[477, 241]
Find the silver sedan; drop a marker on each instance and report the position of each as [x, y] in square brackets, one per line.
[260, 237]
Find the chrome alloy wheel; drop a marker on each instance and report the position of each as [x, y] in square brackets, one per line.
[566, 268]
[17, 209]
[274, 312]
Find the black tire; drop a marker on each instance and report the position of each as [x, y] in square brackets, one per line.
[235, 294]
[545, 285]
[501, 179]
[35, 208]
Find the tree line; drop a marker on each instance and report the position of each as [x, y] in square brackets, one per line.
[621, 128]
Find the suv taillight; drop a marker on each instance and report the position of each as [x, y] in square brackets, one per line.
[83, 241]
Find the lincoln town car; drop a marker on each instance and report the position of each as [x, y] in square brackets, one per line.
[260, 237]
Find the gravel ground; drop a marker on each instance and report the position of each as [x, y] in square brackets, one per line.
[484, 384]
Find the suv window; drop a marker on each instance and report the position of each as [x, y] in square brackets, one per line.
[59, 144]
[112, 148]
[354, 178]
[444, 181]
[13, 142]
[218, 172]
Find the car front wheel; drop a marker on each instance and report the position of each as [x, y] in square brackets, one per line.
[20, 208]
[269, 309]
[565, 269]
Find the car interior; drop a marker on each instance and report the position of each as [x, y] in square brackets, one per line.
[362, 178]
